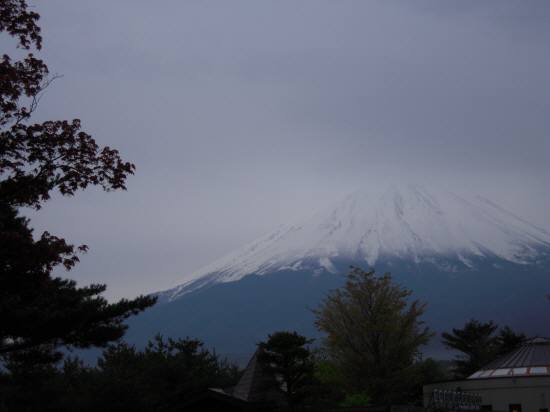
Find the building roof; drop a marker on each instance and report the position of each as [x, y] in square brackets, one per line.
[256, 384]
[530, 359]
[249, 385]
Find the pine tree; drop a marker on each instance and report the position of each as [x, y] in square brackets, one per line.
[479, 344]
[286, 356]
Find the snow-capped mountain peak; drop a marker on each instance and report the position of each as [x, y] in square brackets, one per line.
[409, 222]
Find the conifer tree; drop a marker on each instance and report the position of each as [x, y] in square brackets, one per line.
[287, 358]
[479, 344]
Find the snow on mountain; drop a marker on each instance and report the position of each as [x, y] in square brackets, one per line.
[409, 222]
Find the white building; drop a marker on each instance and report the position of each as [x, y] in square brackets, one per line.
[517, 382]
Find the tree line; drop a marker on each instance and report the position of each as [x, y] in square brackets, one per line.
[369, 356]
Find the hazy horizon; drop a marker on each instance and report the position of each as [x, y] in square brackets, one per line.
[243, 116]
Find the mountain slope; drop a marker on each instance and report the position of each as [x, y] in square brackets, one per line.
[406, 223]
[466, 257]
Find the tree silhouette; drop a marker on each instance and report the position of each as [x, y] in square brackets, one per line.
[40, 311]
[287, 358]
[161, 377]
[373, 334]
[479, 345]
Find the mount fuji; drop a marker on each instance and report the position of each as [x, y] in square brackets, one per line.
[467, 257]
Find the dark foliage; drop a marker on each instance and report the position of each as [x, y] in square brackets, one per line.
[373, 335]
[422, 373]
[286, 356]
[508, 340]
[39, 311]
[479, 344]
[55, 155]
[159, 378]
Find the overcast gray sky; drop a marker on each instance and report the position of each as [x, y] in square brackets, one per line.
[242, 115]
